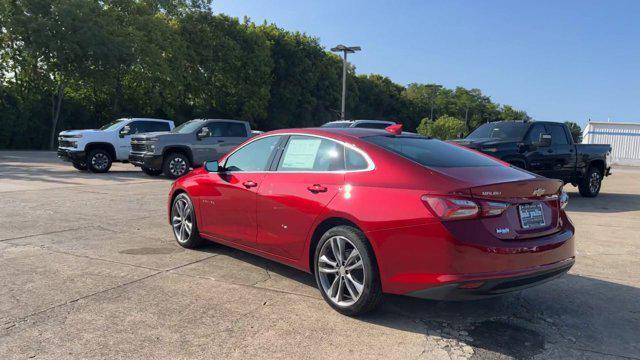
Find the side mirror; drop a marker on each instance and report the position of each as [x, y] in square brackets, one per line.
[212, 166]
[545, 140]
[203, 133]
[126, 130]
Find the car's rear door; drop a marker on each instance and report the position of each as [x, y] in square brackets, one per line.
[228, 199]
[562, 152]
[308, 174]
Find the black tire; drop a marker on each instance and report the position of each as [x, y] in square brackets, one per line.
[371, 289]
[151, 172]
[193, 239]
[592, 182]
[80, 166]
[99, 161]
[175, 165]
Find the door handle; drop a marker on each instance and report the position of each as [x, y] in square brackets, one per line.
[316, 188]
[249, 184]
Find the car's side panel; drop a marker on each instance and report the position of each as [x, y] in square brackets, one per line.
[288, 206]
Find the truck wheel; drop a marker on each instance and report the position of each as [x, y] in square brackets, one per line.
[99, 161]
[590, 185]
[175, 165]
[151, 172]
[80, 166]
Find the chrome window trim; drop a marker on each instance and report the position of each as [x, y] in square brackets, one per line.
[370, 164]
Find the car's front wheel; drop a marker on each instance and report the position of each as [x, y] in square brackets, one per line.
[183, 222]
[346, 271]
[175, 165]
[99, 161]
[151, 172]
[80, 166]
[591, 184]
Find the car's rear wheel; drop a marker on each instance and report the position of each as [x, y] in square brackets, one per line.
[591, 184]
[151, 172]
[175, 165]
[82, 166]
[346, 271]
[99, 161]
[183, 222]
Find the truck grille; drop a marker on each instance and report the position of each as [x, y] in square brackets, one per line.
[66, 143]
[138, 147]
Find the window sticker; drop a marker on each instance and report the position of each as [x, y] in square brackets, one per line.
[301, 153]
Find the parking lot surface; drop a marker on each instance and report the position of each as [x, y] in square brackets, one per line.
[89, 269]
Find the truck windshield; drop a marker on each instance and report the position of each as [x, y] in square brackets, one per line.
[337, 124]
[188, 127]
[499, 130]
[112, 125]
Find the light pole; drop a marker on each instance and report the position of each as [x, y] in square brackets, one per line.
[345, 50]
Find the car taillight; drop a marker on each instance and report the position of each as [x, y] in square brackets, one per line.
[453, 208]
[564, 199]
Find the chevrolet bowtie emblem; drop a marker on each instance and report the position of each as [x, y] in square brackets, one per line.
[538, 192]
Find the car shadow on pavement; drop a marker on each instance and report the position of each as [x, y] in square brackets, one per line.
[604, 203]
[564, 315]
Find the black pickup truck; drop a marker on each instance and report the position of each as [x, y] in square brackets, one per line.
[544, 148]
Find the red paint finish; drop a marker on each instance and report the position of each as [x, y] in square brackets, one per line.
[415, 249]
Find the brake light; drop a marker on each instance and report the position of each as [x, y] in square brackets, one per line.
[453, 208]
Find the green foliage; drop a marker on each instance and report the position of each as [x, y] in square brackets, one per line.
[444, 128]
[81, 63]
[576, 131]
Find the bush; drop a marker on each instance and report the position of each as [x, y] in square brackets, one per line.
[444, 128]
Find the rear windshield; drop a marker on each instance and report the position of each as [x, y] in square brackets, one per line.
[499, 130]
[431, 152]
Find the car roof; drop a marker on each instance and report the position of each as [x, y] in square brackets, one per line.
[146, 119]
[230, 120]
[359, 121]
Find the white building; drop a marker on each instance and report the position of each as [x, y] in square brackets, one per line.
[624, 139]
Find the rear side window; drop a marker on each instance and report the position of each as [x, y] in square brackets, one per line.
[558, 135]
[431, 152]
[309, 153]
[254, 156]
[227, 129]
[354, 160]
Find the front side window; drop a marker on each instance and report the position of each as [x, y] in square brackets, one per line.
[558, 135]
[254, 156]
[431, 152]
[309, 153]
[535, 132]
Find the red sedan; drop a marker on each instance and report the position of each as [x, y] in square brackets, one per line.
[374, 211]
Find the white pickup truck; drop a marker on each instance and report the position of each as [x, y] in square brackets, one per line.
[95, 150]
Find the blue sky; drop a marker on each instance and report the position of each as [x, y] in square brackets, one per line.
[558, 60]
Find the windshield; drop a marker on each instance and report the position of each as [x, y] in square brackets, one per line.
[112, 125]
[431, 152]
[188, 127]
[499, 130]
[337, 124]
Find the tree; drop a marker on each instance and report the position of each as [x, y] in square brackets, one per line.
[444, 128]
[576, 131]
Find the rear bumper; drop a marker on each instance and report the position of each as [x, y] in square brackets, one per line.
[488, 285]
[146, 160]
[71, 155]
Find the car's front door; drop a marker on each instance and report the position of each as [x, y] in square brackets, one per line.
[537, 155]
[228, 200]
[308, 175]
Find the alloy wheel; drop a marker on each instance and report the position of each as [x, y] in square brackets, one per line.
[341, 271]
[594, 182]
[100, 161]
[177, 166]
[182, 219]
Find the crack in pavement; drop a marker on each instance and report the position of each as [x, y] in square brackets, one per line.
[48, 233]
[26, 317]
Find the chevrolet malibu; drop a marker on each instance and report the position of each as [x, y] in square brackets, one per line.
[379, 211]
